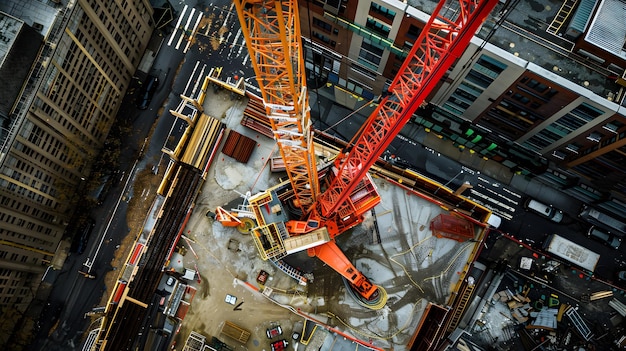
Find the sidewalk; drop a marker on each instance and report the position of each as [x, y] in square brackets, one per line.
[525, 185]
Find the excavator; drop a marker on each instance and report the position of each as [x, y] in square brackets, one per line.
[322, 200]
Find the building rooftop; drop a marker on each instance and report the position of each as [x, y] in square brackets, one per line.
[608, 28]
[19, 45]
[9, 28]
[38, 14]
[527, 31]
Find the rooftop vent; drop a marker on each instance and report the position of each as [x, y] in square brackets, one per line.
[38, 26]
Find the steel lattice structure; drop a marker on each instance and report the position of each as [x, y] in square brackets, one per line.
[272, 33]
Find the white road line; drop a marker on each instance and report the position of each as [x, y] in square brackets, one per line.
[180, 18]
[182, 35]
[193, 31]
[498, 194]
[230, 12]
[235, 43]
[492, 200]
[180, 40]
[198, 81]
[193, 10]
[189, 81]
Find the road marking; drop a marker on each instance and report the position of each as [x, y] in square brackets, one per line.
[180, 18]
[193, 10]
[193, 31]
[235, 44]
[498, 194]
[189, 81]
[490, 199]
[198, 81]
[182, 34]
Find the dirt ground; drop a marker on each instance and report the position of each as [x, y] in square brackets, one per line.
[225, 257]
[218, 270]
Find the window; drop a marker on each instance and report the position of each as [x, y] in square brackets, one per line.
[323, 38]
[573, 147]
[613, 126]
[521, 98]
[369, 74]
[370, 55]
[413, 32]
[595, 137]
[323, 25]
[382, 10]
[377, 27]
[559, 154]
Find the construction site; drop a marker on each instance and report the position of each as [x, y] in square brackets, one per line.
[262, 225]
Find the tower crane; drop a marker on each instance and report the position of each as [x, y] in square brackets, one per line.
[322, 206]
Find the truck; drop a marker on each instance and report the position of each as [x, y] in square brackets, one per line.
[571, 252]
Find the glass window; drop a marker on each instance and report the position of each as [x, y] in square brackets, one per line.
[377, 27]
[382, 10]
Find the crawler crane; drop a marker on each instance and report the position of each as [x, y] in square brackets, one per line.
[323, 203]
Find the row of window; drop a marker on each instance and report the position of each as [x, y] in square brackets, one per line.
[15, 257]
[120, 26]
[102, 52]
[570, 122]
[23, 238]
[32, 211]
[482, 74]
[387, 13]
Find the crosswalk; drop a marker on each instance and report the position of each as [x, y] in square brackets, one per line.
[501, 200]
[184, 31]
[216, 33]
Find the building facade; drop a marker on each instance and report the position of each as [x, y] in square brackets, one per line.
[541, 89]
[81, 58]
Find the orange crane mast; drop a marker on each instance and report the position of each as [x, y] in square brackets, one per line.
[272, 33]
[346, 193]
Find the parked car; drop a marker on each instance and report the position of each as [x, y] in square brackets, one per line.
[604, 237]
[147, 90]
[279, 345]
[274, 332]
[551, 213]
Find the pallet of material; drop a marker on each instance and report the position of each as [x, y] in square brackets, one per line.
[600, 295]
[238, 146]
[234, 331]
[277, 164]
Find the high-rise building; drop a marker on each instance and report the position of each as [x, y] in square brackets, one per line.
[541, 89]
[65, 66]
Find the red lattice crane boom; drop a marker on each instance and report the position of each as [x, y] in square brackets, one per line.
[272, 36]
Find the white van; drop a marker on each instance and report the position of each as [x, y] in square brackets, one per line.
[545, 210]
